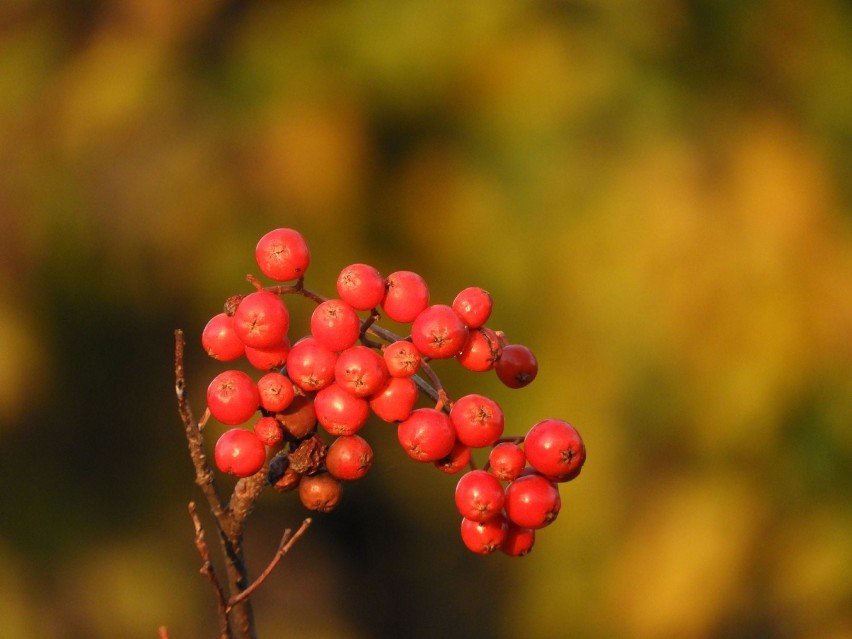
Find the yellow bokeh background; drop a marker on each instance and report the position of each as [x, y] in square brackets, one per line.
[658, 195]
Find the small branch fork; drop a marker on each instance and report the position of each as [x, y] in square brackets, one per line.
[235, 616]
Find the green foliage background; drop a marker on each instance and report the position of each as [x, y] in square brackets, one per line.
[657, 194]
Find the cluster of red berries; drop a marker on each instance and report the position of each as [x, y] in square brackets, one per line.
[349, 367]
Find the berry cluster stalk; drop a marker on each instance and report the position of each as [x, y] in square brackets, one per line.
[236, 620]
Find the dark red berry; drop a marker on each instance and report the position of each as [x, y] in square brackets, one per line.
[320, 492]
[517, 366]
[349, 457]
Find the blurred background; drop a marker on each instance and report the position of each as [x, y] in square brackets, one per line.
[658, 196]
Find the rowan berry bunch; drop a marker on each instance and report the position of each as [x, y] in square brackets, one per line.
[311, 397]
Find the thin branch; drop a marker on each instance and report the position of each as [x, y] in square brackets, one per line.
[194, 438]
[287, 541]
[208, 571]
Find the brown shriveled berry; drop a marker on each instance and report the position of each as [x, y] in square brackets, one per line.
[320, 492]
[309, 457]
[232, 303]
[299, 419]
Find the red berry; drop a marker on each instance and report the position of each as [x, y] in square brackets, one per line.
[276, 392]
[477, 419]
[262, 320]
[517, 366]
[438, 332]
[519, 541]
[506, 461]
[283, 255]
[402, 358]
[232, 397]
[426, 435]
[360, 370]
[361, 286]
[555, 449]
[395, 400]
[320, 492]
[335, 325]
[479, 495]
[340, 412]
[220, 340]
[484, 537]
[310, 364]
[267, 359]
[457, 460]
[239, 452]
[473, 305]
[481, 351]
[532, 501]
[405, 297]
[349, 457]
[268, 431]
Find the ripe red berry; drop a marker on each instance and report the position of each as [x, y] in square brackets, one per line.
[239, 452]
[349, 457]
[507, 461]
[310, 364]
[361, 286]
[517, 366]
[477, 419]
[268, 431]
[481, 351]
[427, 434]
[335, 325]
[232, 397]
[479, 495]
[283, 255]
[519, 541]
[456, 461]
[484, 537]
[276, 392]
[340, 412]
[438, 332]
[360, 370]
[473, 305]
[532, 501]
[395, 400]
[406, 295]
[555, 449]
[402, 358]
[320, 492]
[262, 320]
[268, 359]
[220, 340]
